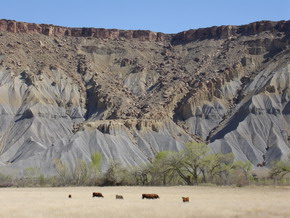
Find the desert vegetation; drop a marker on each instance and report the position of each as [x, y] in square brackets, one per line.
[194, 165]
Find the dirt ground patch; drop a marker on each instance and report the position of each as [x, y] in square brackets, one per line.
[203, 202]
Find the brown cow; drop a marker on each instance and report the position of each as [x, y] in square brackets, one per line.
[119, 197]
[185, 199]
[98, 194]
[150, 196]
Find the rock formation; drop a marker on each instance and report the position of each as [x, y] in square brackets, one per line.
[66, 93]
[51, 30]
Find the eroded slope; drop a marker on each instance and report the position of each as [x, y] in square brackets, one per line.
[130, 94]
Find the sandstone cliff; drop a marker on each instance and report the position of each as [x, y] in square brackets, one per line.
[66, 93]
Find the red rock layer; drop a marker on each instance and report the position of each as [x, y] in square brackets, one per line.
[51, 30]
[221, 32]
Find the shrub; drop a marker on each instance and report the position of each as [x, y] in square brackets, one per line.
[5, 181]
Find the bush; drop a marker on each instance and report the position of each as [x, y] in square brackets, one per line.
[117, 175]
[5, 181]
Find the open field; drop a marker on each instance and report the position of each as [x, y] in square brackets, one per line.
[204, 202]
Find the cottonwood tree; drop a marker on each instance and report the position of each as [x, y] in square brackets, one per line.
[192, 162]
[195, 164]
[215, 166]
[162, 170]
[187, 164]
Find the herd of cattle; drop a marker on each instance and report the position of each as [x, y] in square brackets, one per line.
[146, 196]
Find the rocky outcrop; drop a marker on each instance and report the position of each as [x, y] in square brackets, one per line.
[224, 32]
[51, 30]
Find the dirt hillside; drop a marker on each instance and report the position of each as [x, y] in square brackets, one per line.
[66, 93]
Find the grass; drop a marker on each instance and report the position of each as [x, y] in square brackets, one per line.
[204, 202]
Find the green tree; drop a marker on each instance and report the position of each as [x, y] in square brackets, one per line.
[186, 164]
[194, 164]
[216, 165]
[96, 161]
[162, 170]
[193, 161]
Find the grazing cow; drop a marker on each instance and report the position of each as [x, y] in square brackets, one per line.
[69, 196]
[150, 196]
[185, 199]
[98, 194]
[119, 197]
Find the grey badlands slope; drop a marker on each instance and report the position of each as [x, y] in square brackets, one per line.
[66, 93]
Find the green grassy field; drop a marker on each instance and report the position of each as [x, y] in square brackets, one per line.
[204, 202]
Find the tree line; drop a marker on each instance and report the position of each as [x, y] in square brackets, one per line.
[194, 165]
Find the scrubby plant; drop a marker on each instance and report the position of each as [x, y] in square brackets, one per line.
[280, 169]
[5, 180]
[116, 175]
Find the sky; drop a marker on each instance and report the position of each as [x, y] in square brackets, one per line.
[167, 16]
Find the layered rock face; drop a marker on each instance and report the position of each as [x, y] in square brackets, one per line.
[51, 30]
[66, 93]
